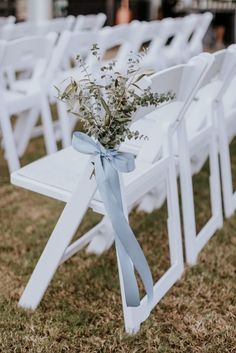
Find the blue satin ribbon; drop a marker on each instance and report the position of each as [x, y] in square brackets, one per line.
[108, 164]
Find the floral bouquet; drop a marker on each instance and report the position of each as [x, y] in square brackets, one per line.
[105, 104]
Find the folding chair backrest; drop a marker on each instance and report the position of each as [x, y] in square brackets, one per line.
[166, 31]
[167, 28]
[18, 30]
[29, 54]
[195, 44]
[227, 93]
[183, 80]
[116, 38]
[80, 43]
[206, 91]
[90, 22]
[61, 24]
[228, 70]
[69, 22]
[57, 25]
[214, 86]
[187, 26]
[223, 68]
[146, 32]
[215, 68]
[69, 45]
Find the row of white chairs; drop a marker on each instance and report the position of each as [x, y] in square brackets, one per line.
[10, 30]
[47, 62]
[198, 124]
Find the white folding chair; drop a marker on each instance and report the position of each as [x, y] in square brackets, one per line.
[195, 141]
[90, 22]
[49, 176]
[196, 136]
[215, 105]
[197, 132]
[32, 53]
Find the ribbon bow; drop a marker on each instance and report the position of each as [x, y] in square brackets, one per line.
[108, 164]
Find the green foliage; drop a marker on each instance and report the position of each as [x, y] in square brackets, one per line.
[105, 104]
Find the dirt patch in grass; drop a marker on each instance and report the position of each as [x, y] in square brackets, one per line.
[81, 311]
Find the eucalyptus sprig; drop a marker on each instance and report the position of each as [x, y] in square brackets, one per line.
[106, 103]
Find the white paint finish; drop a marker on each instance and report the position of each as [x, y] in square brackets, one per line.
[39, 10]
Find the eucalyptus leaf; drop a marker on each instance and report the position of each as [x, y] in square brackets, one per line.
[105, 104]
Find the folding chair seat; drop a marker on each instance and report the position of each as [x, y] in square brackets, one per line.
[26, 105]
[59, 180]
[67, 176]
[89, 22]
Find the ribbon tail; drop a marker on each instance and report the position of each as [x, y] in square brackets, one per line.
[130, 249]
[129, 280]
[130, 283]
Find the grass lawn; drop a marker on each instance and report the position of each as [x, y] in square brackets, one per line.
[81, 311]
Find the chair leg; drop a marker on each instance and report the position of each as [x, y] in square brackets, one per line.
[225, 164]
[65, 124]
[50, 140]
[174, 227]
[24, 127]
[9, 142]
[215, 187]
[132, 322]
[59, 241]
[103, 240]
[187, 197]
